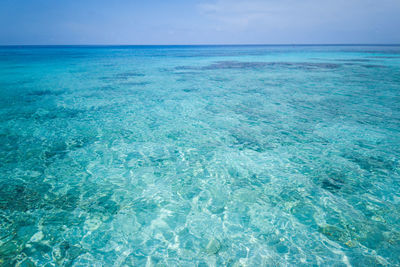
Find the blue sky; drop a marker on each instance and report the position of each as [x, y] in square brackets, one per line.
[199, 22]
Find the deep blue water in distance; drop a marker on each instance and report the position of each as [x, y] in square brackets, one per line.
[200, 156]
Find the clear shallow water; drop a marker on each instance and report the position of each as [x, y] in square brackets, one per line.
[195, 156]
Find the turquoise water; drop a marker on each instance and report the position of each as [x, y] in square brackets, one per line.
[200, 156]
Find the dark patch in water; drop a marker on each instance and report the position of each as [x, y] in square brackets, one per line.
[246, 141]
[104, 88]
[30, 196]
[127, 75]
[186, 73]
[261, 65]
[59, 150]
[186, 68]
[354, 60]
[372, 66]
[332, 184]
[12, 67]
[371, 163]
[68, 201]
[19, 197]
[235, 65]
[136, 83]
[331, 179]
[220, 79]
[122, 76]
[334, 233]
[44, 93]
[63, 113]
[68, 253]
[102, 205]
[384, 57]
[56, 150]
[350, 64]
[106, 78]
[189, 90]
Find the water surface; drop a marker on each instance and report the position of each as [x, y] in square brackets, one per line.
[200, 155]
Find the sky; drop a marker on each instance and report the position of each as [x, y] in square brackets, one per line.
[157, 22]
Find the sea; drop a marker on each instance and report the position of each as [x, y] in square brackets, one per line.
[258, 155]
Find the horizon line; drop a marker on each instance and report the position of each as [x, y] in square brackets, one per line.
[141, 45]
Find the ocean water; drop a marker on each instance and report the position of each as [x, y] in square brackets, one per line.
[200, 156]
